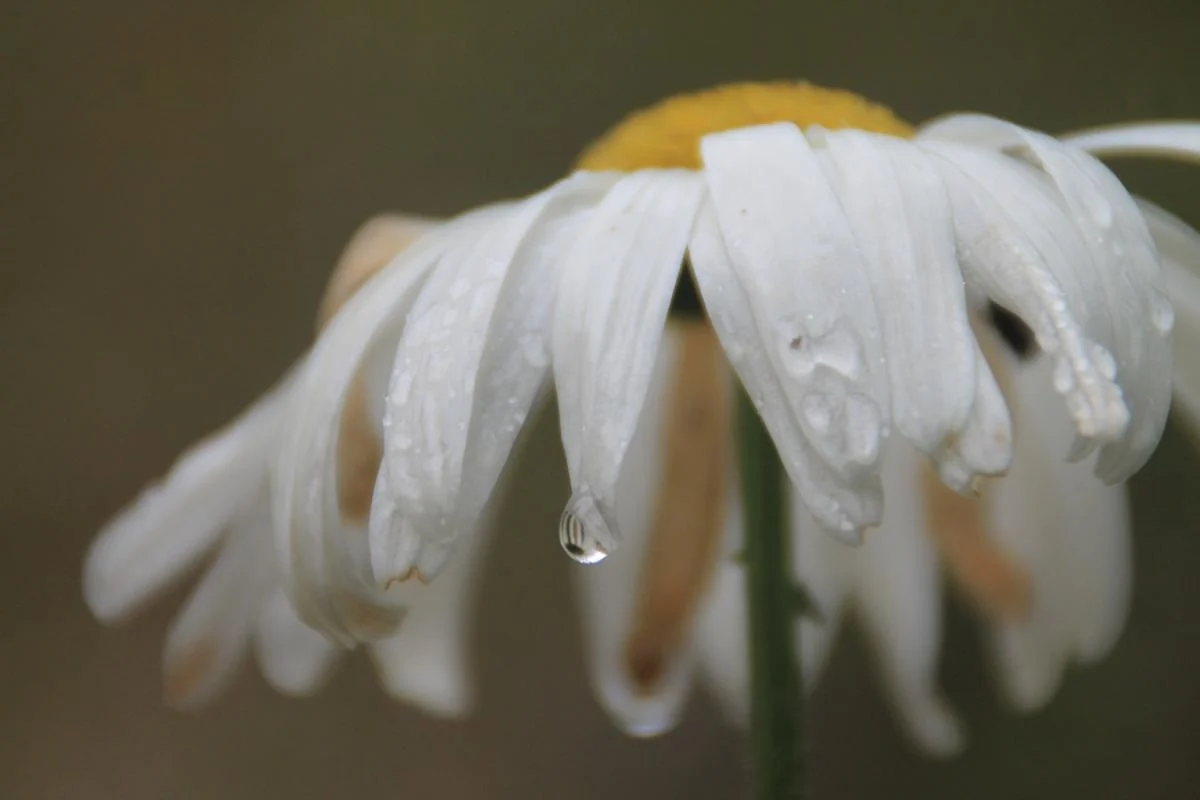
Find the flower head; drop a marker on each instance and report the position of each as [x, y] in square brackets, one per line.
[887, 298]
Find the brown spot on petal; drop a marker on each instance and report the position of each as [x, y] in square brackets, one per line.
[412, 573]
[368, 620]
[188, 671]
[686, 536]
[988, 575]
[369, 250]
[359, 453]
[359, 450]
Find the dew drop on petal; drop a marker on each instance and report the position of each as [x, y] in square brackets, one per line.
[1162, 315]
[583, 532]
[1105, 362]
[1064, 377]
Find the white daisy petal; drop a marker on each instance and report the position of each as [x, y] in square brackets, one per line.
[898, 208]
[207, 640]
[1124, 268]
[844, 508]
[613, 296]
[427, 661]
[177, 520]
[1179, 246]
[474, 355]
[794, 259]
[1021, 250]
[608, 591]
[822, 567]
[896, 589]
[722, 638]
[984, 446]
[1072, 533]
[1169, 139]
[293, 657]
[326, 564]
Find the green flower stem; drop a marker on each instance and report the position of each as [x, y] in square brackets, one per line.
[776, 695]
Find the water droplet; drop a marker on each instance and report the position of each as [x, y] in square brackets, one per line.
[1064, 376]
[1162, 315]
[534, 349]
[1099, 209]
[583, 531]
[862, 429]
[818, 411]
[1104, 362]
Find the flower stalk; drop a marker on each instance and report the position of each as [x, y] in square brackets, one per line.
[776, 695]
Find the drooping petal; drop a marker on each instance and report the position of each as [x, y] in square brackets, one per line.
[822, 568]
[1020, 249]
[845, 507]
[373, 245]
[206, 642]
[1072, 535]
[1124, 272]
[897, 591]
[176, 521]
[788, 284]
[609, 591]
[613, 296]
[468, 369]
[293, 657]
[427, 662]
[1179, 246]
[1179, 140]
[326, 562]
[898, 209]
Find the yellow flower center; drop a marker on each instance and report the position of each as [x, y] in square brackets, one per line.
[668, 134]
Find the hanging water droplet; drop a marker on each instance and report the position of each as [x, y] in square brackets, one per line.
[1162, 315]
[583, 532]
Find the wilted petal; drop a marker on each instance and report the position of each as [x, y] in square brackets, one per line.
[897, 206]
[474, 356]
[616, 286]
[1179, 140]
[206, 642]
[326, 562]
[293, 657]
[177, 520]
[1129, 307]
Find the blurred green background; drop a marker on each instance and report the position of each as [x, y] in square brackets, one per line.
[176, 180]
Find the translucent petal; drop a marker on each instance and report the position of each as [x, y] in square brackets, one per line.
[326, 564]
[207, 640]
[608, 591]
[427, 661]
[1072, 535]
[1179, 246]
[613, 295]
[896, 589]
[1179, 140]
[293, 657]
[176, 521]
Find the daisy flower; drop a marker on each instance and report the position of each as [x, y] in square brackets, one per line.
[913, 313]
